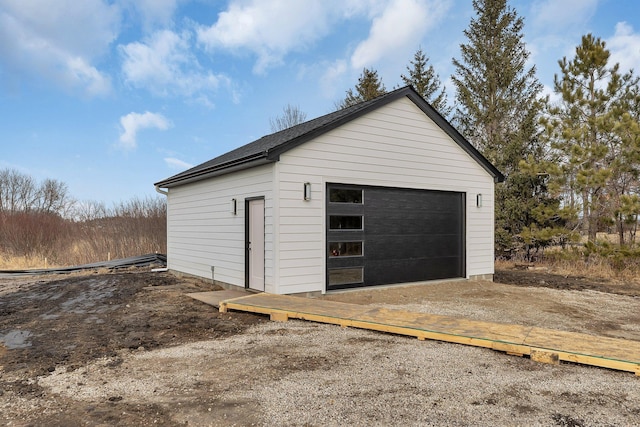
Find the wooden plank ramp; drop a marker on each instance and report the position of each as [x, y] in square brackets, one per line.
[542, 345]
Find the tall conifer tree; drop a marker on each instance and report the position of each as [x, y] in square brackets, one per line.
[497, 96]
[369, 86]
[422, 76]
[497, 110]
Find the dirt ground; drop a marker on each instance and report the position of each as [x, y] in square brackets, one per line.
[130, 348]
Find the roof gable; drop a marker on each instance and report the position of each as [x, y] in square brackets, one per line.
[268, 148]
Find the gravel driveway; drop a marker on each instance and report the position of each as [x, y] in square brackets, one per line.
[201, 367]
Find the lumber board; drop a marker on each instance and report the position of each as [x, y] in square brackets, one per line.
[580, 343]
[279, 316]
[545, 356]
[542, 345]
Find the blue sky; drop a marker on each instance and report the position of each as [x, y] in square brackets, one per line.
[110, 96]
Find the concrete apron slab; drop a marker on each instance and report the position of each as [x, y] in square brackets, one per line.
[215, 297]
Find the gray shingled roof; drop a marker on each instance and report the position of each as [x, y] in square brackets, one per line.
[268, 148]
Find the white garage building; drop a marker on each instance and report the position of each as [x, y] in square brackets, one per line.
[383, 192]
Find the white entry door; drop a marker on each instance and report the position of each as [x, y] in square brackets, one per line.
[256, 244]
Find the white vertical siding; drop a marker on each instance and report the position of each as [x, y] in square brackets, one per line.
[202, 232]
[396, 145]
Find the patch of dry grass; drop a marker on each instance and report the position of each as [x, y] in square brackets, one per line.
[593, 266]
[8, 262]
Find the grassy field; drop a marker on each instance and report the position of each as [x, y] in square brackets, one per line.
[36, 240]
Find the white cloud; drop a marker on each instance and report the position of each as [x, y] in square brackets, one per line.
[58, 40]
[625, 48]
[94, 82]
[556, 16]
[164, 65]
[331, 76]
[398, 27]
[134, 122]
[153, 12]
[178, 164]
[271, 29]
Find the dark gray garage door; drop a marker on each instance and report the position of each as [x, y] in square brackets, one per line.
[379, 235]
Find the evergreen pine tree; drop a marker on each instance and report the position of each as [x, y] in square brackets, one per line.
[427, 83]
[369, 86]
[497, 96]
[497, 110]
[624, 186]
[596, 137]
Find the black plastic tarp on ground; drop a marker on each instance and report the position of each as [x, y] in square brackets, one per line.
[159, 260]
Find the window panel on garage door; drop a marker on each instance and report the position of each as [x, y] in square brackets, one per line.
[345, 237]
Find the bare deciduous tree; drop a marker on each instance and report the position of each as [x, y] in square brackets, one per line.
[52, 196]
[20, 193]
[88, 210]
[291, 116]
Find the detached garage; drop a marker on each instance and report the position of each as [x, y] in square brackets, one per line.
[380, 193]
